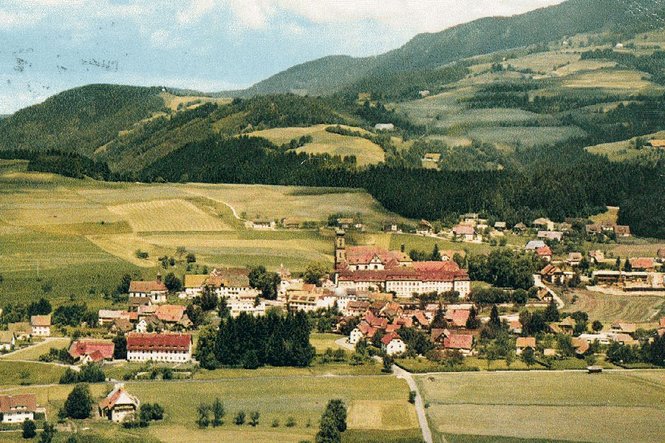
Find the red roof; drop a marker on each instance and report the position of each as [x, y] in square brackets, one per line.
[642, 263]
[147, 286]
[434, 266]
[159, 342]
[170, 313]
[458, 317]
[422, 319]
[9, 403]
[386, 339]
[403, 274]
[88, 346]
[544, 251]
[458, 341]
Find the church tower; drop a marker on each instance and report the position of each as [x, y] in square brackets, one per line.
[340, 248]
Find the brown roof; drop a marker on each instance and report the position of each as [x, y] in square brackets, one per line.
[458, 341]
[170, 313]
[6, 336]
[159, 342]
[40, 320]
[26, 402]
[463, 230]
[622, 230]
[544, 251]
[657, 143]
[110, 400]
[229, 277]
[525, 342]
[458, 317]
[642, 263]
[147, 286]
[22, 327]
[88, 347]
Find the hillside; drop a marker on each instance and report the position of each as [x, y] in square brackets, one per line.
[484, 36]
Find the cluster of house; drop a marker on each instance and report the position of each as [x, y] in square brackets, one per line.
[141, 347]
[38, 326]
[387, 318]
[371, 268]
[117, 406]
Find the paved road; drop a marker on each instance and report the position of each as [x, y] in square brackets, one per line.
[419, 404]
[539, 283]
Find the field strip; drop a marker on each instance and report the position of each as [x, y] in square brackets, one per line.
[204, 195]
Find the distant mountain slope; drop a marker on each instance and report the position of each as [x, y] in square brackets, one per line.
[484, 36]
[79, 120]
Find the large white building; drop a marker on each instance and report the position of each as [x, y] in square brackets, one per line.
[170, 348]
[156, 290]
[18, 408]
[41, 325]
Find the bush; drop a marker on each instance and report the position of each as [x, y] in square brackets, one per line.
[29, 429]
[290, 422]
[412, 397]
[239, 418]
[79, 402]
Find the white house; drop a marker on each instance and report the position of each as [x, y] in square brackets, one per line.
[355, 336]
[7, 340]
[392, 344]
[170, 348]
[384, 127]
[119, 405]
[154, 290]
[18, 408]
[41, 325]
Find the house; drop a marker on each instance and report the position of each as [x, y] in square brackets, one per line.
[391, 227]
[466, 233]
[18, 408]
[262, 224]
[597, 256]
[7, 341]
[545, 253]
[431, 160]
[392, 344]
[355, 308]
[581, 346]
[643, 264]
[135, 303]
[424, 228]
[519, 228]
[515, 326]
[171, 315]
[534, 244]
[524, 342]
[567, 325]
[457, 317]
[459, 342]
[193, 284]
[171, 348]
[574, 258]
[119, 405]
[92, 350]
[623, 327]
[121, 325]
[550, 235]
[543, 223]
[154, 290]
[356, 336]
[593, 229]
[500, 226]
[658, 144]
[41, 325]
[622, 231]
[552, 274]
[291, 223]
[108, 316]
[384, 127]
[22, 330]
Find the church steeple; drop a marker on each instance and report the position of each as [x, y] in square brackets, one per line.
[340, 248]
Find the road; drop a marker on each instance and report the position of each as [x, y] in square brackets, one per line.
[539, 283]
[419, 404]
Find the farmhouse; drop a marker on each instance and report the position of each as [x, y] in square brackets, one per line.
[154, 290]
[643, 264]
[457, 317]
[232, 283]
[263, 224]
[553, 274]
[459, 342]
[574, 258]
[424, 228]
[523, 343]
[173, 316]
[18, 408]
[22, 330]
[7, 340]
[392, 344]
[92, 350]
[193, 284]
[41, 325]
[543, 223]
[622, 231]
[108, 316]
[171, 348]
[545, 253]
[534, 244]
[464, 232]
[550, 235]
[118, 405]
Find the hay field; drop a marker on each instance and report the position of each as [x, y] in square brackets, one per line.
[614, 79]
[324, 142]
[33, 352]
[608, 308]
[617, 406]
[167, 216]
[189, 101]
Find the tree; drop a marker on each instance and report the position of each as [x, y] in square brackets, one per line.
[203, 415]
[29, 429]
[494, 321]
[412, 397]
[218, 412]
[48, 433]
[190, 258]
[172, 283]
[436, 254]
[79, 402]
[627, 267]
[151, 412]
[337, 409]
[254, 418]
[223, 308]
[266, 282]
[472, 322]
[251, 360]
[328, 431]
[41, 307]
[439, 320]
[617, 264]
[529, 357]
[208, 299]
[239, 419]
[314, 272]
[120, 349]
[195, 314]
[551, 313]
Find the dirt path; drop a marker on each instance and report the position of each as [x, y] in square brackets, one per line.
[419, 404]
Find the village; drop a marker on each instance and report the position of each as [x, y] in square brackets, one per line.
[421, 312]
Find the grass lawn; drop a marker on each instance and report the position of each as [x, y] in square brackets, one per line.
[427, 244]
[33, 352]
[321, 342]
[575, 406]
[18, 372]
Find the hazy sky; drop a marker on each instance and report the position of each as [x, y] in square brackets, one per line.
[210, 45]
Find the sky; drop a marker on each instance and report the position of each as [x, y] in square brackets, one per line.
[48, 46]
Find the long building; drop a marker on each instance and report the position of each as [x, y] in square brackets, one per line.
[375, 269]
[171, 348]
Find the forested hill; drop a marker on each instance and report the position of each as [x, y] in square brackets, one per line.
[484, 36]
[79, 120]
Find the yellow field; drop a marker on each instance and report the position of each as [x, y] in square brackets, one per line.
[620, 79]
[617, 407]
[611, 215]
[389, 416]
[191, 101]
[167, 216]
[324, 142]
[544, 62]
[608, 308]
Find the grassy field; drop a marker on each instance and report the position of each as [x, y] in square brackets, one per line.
[18, 372]
[608, 308]
[366, 152]
[376, 403]
[33, 352]
[610, 79]
[72, 239]
[618, 407]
